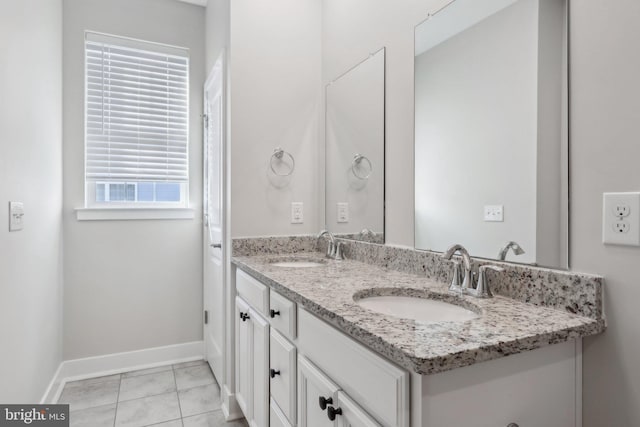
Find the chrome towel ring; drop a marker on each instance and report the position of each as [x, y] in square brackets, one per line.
[278, 155]
[357, 164]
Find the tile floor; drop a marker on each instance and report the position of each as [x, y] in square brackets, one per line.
[183, 395]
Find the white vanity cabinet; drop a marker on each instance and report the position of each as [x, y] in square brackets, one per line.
[252, 364]
[295, 370]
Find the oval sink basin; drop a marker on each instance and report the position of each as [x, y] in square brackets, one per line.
[297, 263]
[422, 309]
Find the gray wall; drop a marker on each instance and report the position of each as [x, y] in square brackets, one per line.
[130, 285]
[605, 110]
[31, 172]
[275, 71]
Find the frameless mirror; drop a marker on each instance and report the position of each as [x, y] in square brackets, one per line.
[491, 130]
[354, 157]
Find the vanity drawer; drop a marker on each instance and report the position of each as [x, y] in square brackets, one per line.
[282, 315]
[377, 385]
[283, 374]
[253, 292]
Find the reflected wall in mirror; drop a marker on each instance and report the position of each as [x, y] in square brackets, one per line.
[491, 130]
[354, 168]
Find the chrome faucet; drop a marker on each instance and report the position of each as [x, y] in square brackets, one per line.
[334, 249]
[514, 246]
[482, 289]
[460, 281]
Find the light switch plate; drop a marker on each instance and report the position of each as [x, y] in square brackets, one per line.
[621, 219]
[297, 213]
[494, 213]
[16, 216]
[343, 212]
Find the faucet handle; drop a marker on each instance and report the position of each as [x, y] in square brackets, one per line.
[482, 289]
[331, 249]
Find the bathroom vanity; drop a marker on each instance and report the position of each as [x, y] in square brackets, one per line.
[307, 353]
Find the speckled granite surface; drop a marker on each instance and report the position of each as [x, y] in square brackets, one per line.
[563, 290]
[506, 326]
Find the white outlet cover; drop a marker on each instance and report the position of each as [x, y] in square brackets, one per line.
[494, 213]
[297, 213]
[343, 212]
[16, 216]
[621, 230]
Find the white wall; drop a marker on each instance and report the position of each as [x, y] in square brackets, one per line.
[605, 148]
[355, 125]
[605, 110]
[31, 172]
[275, 72]
[461, 145]
[130, 284]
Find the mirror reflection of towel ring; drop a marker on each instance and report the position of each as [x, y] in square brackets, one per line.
[355, 164]
[278, 154]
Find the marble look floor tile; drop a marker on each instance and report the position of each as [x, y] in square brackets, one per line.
[82, 394]
[146, 371]
[148, 411]
[189, 364]
[101, 416]
[193, 377]
[146, 385]
[199, 400]
[212, 419]
[174, 423]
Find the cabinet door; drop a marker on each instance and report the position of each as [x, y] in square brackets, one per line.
[260, 361]
[349, 414]
[313, 386]
[244, 351]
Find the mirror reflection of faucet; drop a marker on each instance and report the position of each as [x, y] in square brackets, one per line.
[514, 246]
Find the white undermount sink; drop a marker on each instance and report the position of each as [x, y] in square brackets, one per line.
[297, 263]
[416, 308]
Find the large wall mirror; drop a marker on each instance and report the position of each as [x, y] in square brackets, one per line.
[354, 167]
[491, 130]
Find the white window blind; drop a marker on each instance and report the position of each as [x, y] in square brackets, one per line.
[136, 111]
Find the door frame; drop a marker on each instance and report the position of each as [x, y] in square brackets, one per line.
[230, 407]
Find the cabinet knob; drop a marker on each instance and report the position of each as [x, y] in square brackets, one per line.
[513, 425]
[273, 313]
[273, 373]
[244, 316]
[332, 412]
[324, 401]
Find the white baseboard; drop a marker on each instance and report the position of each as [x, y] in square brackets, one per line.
[230, 408]
[116, 363]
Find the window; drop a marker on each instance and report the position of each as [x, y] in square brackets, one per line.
[136, 126]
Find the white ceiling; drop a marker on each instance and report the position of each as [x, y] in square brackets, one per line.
[453, 19]
[202, 3]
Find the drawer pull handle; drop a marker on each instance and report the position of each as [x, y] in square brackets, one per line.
[332, 412]
[324, 401]
[244, 316]
[273, 373]
[273, 313]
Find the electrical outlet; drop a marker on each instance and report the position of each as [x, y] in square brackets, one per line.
[343, 212]
[621, 211]
[297, 213]
[494, 213]
[16, 216]
[621, 219]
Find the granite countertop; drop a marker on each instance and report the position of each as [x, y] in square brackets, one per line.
[505, 326]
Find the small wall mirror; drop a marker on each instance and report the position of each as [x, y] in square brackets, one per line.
[354, 168]
[491, 130]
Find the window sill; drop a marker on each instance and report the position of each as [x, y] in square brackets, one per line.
[126, 214]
